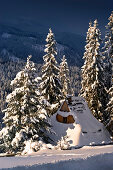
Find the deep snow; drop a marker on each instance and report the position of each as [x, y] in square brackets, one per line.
[98, 162]
[84, 158]
[93, 158]
[86, 130]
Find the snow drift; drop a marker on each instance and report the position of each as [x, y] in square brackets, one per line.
[97, 162]
[86, 130]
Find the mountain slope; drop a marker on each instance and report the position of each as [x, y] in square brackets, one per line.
[25, 38]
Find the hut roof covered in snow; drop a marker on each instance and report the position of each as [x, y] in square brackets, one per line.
[65, 107]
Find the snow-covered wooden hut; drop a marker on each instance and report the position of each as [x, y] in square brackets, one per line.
[77, 123]
[63, 115]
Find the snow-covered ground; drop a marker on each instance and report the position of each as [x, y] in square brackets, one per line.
[86, 130]
[86, 158]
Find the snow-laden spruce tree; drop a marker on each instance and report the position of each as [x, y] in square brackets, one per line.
[108, 71]
[64, 77]
[25, 117]
[86, 67]
[93, 89]
[108, 53]
[50, 86]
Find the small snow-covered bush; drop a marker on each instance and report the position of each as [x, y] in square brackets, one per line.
[31, 146]
[63, 144]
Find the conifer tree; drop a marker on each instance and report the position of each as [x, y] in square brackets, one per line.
[50, 86]
[108, 53]
[25, 116]
[85, 68]
[93, 88]
[64, 77]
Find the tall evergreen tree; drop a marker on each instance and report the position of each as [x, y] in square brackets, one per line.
[108, 53]
[25, 116]
[86, 67]
[64, 77]
[50, 86]
[109, 71]
[93, 88]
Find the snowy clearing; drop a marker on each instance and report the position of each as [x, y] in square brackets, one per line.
[94, 158]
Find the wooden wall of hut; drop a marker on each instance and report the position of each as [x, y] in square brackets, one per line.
[69, 119]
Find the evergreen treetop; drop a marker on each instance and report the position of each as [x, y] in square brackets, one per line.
[64, 77]
[50, 86]
[93, 88]
[108, 53]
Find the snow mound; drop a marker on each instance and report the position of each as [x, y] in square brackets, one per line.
[86, 130]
